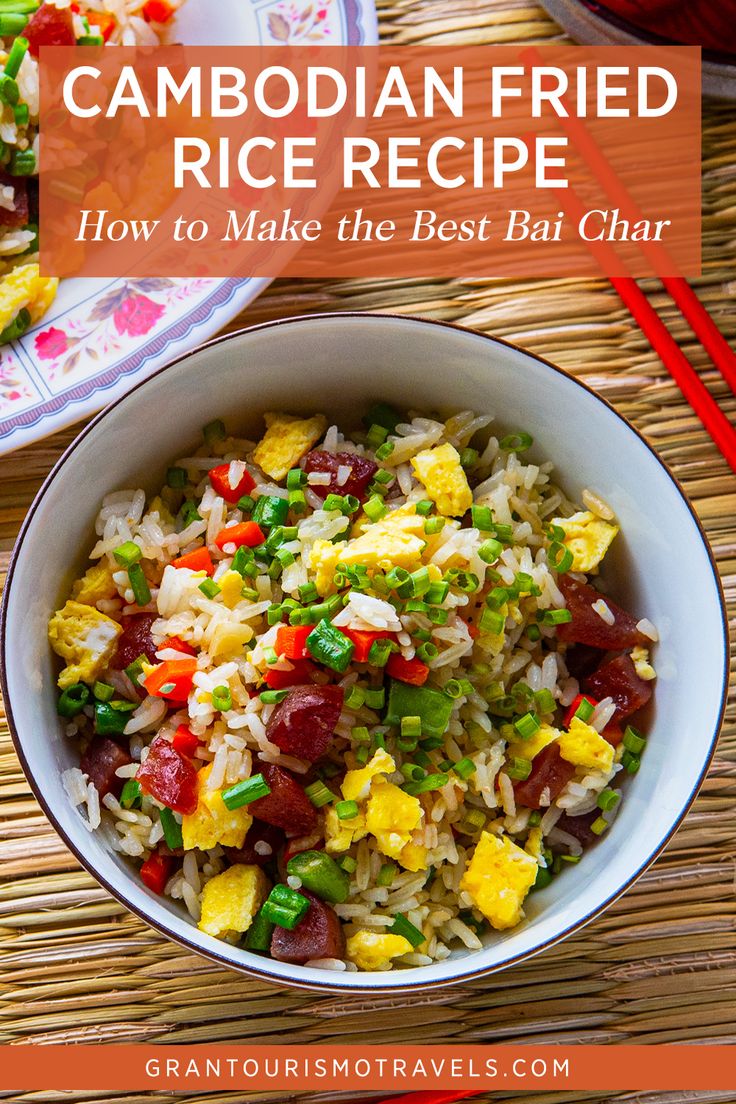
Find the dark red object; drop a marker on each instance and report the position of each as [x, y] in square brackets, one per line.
[362, 471]
[301, 671]
[364, 641]
[618, 679]
[156, 872]
[613, 734]
[100, 762]
[169, 777]
[264, 835]
[696, 23]
[579, 826]
[220, 480]
[550, 773]
[412, 671]
[49, 26]
[184, 741]
[577, 702]
[287, 806]
[581, 660]
[18, 217]
[304, 723]
[135, 640]
[588, 627]
[319, 935]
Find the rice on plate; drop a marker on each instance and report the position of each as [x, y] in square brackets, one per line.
[350, 698]
[25, 26]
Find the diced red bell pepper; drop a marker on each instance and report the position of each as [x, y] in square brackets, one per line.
[158, 11]
[198, 560]
[302, 671]
[412, 671]
[156, 872]
[248, 533]
[169, 776]
[184, 741]
[291, 641]
[575, 705]
[172, 679]
[103, 21]
[220, 480]
[364, 640]
[179, 645]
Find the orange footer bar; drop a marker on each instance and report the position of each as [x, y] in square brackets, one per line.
[368, 1069]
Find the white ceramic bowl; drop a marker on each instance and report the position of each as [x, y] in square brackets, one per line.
[339, 363]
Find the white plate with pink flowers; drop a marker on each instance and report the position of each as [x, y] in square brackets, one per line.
[102, 336]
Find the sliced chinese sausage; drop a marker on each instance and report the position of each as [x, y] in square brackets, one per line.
[262, 844]
[135, 640]
[581, 660]
[169, 777]
[287, 806]
[362, 471]
[318, 935]
[20, 214]
[304, 723]
[549, 775]
[588, 627]
[618, 679]
[579, 827]
[50, 26]
[100, 761]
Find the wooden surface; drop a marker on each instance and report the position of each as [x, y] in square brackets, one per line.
[660, 965]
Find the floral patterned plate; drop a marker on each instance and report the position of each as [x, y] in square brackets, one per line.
[101, 336]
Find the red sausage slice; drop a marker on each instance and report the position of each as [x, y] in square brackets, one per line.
[304, 722]
[100, 761]
[319, 935]
[287, 806]
[362, 471]
[549, 776]
[588, 627]
[618, 679]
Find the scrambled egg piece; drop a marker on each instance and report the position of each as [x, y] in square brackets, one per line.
[357, 783]
[588, 537]
[392, 816]
[444, 479]
[95, 585]
[230, 900]
[585, 747]
[397, 540]
[342, 834]
[642, 666]
[285, 442]
[212, 822]
[371, 951]
[231, 588]
[498, 878]
[324, 556]
[413, 857]
[85, 638]
[24, 287]
[527, 749]
[229, 639]
[533, 845]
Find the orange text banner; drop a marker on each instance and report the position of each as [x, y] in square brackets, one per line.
[366, 1069]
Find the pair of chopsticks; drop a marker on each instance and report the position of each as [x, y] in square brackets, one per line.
[432, 1097]
[721, 431]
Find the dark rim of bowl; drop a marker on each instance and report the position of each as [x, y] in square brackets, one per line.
[326, 986]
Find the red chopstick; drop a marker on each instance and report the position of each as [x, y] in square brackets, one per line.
[711, 338]
[432, 1097]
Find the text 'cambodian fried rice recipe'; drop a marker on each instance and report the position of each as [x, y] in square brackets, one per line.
[350, 698]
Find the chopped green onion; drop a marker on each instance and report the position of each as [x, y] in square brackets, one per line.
[103, 691]
[189, 513]
[473, 821]
[633, 740]
[295, 479]
[412, 772]
[135, 669]
[329, 646]
[308, 593]
[427, 651]
[497, 597]
[380, 651]
[375, 699]
[375, 508]
[411, 728]
[402, 926]
[383, 415]
[318, 794]
[544, 702]
[420, 582]
[176, 478]
[535, 818]
[468, 457]
[274, 615]
[386, 874]
[465, 767]
[533, 633]
[437, 615]
[9, 92]
[599, 825]
[543, 878]
[363, 755]
[214, 432]
[348, 863]
[250, 593]
[384, 451]
[21, 114]
[222, 699]
[516, 442]
[131, 794]
[433, 525]
[90, 40]
[481, 518]
[297, 502]
[19, 49]
[128, 553]
[608, 799]
[556, 617]
[519, 769]
[242, 793]
[209, 588]
[437, 593]
[416, 605]
[320, 874]
[23, 162]
[355, 697]
[285, 907]
[172, 829]
[454, 688]
[425, 785]
[284, 557]
[503, 532]
[491, 622]
[559, 557]
[112, 717]
[527, 725]
[425, 507]
[273, 697]
[631, 763]
[585, 710]
[73, 700]
[139, 585]
[490, 550]
[334, 502]
[346, 810]
[524, 584]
